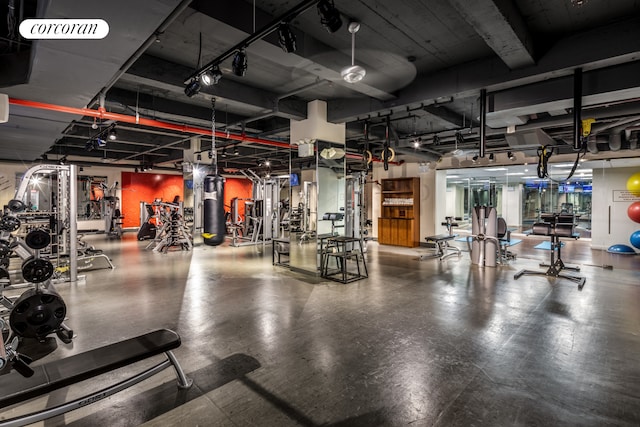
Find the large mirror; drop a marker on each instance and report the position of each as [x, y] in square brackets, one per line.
[317, 202]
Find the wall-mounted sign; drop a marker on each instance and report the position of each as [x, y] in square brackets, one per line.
[624, 196]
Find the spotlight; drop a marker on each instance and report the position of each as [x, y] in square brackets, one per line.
[286, 38]
[416, 143]
[267, 163]
[329, 16]
[112, 135]
[239, 64]
[224, 152]
[211, 77]
[492, 158]
[94, 125]
[511, 156]
[192, 88]
[475, 158]
[210, 154]
[236, 151]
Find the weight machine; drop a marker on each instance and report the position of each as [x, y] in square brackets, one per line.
[170, 228]
[484, 245]
[262, 212]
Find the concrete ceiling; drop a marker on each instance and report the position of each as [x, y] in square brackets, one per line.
[426, 63]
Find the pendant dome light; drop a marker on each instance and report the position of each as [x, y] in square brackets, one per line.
[353, 73]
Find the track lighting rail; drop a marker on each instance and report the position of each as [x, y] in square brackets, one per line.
[266, 30]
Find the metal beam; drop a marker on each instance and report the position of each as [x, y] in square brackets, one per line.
[446, 115]
[171, 76]
[600, 48]
[501, 26]
[144, 101]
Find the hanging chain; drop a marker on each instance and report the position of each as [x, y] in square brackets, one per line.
[214, 152]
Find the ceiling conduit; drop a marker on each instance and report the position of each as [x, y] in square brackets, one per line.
[102, 114]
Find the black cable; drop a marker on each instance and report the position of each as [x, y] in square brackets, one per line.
[544, 154]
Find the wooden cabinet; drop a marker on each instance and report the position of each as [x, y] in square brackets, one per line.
[399, 223]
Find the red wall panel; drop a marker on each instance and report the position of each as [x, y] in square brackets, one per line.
[146, 187]
[236, 187]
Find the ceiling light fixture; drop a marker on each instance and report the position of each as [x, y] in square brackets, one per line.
[456, 151]
[416, 143]
[112, 135]
[511, 156]
[236, 151]
[286, 38]
[353, 73]
[192, 88]
[239, 64]
[211, 77]
[492, 157]
[329, 16]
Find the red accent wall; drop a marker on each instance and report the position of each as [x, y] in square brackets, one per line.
[236, 187]
[146, 187]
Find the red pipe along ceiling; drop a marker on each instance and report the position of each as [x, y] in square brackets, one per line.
[103, 114]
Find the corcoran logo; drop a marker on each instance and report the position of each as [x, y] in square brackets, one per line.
[64, 29]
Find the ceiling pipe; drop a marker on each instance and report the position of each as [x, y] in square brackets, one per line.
[577, 109]
[483, 122]
[140, 51]
[105, 115]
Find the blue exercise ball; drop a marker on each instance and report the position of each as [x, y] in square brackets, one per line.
[635, 239]
[621, 249]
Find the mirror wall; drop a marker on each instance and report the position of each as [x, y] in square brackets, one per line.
[519, 195]
[314, 203]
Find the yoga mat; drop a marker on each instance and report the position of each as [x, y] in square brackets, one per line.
[546, 245]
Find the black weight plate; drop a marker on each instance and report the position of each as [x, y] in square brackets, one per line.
[37, 313]
[37, 270]
[9, 223]
[5, 250]
[37, 239]
[16, 205]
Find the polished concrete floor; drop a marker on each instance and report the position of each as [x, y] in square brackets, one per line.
[418, 343]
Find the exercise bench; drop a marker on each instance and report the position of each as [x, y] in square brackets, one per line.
[14, 388]
[555, 226]
[441, 241]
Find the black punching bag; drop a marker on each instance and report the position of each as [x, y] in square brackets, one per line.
[213, 212]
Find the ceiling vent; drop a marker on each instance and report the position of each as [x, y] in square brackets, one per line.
[528, 139]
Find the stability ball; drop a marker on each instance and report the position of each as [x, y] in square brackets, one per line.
[634, 211]
[635, 239]
[633, 184]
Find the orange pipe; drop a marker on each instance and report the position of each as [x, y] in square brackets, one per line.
[103, 114]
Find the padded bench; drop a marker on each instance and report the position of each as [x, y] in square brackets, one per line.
[14, 388]
[443, 249]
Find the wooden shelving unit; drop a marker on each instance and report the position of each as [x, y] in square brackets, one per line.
[399, 223]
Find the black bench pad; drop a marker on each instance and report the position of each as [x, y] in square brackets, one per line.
[440, 238]
[14, 388]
